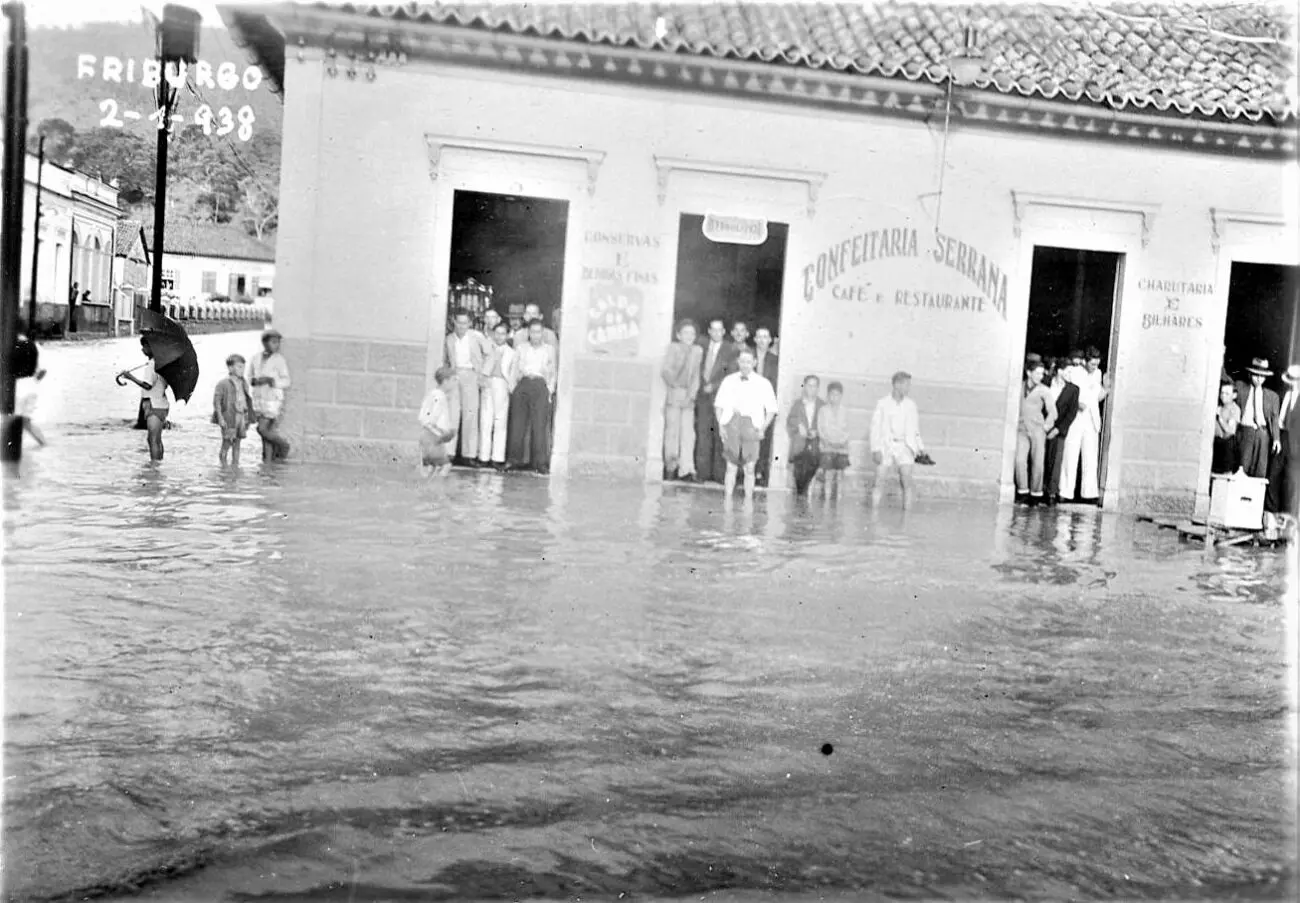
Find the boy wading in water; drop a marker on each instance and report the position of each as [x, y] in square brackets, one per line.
[437, 432]
[26, 392]
[153, 395]
[745, 406]
[896, 439]
[232, 409]
[833, 428]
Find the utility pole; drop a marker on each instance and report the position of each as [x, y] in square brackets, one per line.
[178, 45]
[11, 221]
[36, 240]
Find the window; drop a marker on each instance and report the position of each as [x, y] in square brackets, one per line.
[252, 287]
[209, 282]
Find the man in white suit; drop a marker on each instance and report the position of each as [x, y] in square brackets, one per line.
[1082, 453]
[494, 398]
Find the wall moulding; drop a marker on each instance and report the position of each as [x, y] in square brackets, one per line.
[1022, 202]
[1221, 222]
[666, 166]
[590, 160]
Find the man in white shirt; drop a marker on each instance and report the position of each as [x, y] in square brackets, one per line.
[268, 377]
[896, 438]
[464, 351]
[494, 398]
[534, 312]
[745, 407]
[530, 403]
[1283, 464]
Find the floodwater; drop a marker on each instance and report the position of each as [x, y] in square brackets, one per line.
[326, 683]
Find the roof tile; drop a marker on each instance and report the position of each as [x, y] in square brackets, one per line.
[1184, 53]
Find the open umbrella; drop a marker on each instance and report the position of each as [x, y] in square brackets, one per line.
[174, 358]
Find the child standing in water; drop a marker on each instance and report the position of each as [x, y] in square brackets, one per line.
[437, 435]
[833, 428]
[232, 408]
[25, 390]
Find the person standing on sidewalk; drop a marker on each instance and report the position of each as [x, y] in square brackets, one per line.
[464, 351]
[494, 399]
[1257, 434]
[1281, 495]
[681, 376]
[709, 460]
[1037, 417]
[268, 377]
[530, 403]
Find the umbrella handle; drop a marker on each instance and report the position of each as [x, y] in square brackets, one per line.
[118, 379]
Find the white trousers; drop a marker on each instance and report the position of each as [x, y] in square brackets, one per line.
[679, 439]
[493, 413]
[1080, 459]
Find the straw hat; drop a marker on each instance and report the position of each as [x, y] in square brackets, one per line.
[1259, 366]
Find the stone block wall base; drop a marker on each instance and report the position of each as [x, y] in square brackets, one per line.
[629, 469]
[1158, 502]
[372, 452]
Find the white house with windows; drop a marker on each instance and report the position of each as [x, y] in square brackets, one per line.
[209, 259]
[78, 218]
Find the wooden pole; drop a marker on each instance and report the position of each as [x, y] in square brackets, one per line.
[11, 220]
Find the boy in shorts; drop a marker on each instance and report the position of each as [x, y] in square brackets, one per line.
[153, 393]
[745, 406]
[896, 438]
[437, 432]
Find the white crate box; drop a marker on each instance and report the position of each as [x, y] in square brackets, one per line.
[1237, 502]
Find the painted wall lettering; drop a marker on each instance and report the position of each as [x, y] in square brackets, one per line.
[1169, 296]
[616, 267]
[831, 265]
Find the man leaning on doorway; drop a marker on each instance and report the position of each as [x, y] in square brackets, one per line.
[464, 351]
[1257, 433]
[1283, 487]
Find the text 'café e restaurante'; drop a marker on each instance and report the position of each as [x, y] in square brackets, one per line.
[887, 186]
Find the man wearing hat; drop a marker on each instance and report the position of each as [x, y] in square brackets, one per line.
[268, 376]
[1284, 468]
[1257, 434]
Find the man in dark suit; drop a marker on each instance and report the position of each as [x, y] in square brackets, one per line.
[1257, 434]
[765, 365]
[1284, 466]
[719, 360]
[1067, 408]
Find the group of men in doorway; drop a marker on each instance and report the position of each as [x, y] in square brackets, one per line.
[694, 371]
[500, 386]
[1257, 432]
[1058, 437]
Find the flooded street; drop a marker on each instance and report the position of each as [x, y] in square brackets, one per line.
[326, 683]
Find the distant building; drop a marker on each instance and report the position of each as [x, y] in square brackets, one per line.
[203, 260]
[131, 275]
[78, 216]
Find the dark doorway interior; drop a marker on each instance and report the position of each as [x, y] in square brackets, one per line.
[513, 244]
[1071, 301]
[735, 282]
[1072, 308]
[1262, 318]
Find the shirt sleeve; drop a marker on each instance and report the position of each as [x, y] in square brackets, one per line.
[722, 400]
[282, 374]
[878, 428]
[769, 400]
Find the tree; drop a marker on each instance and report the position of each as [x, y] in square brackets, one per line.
[261, 210]
[60, 137]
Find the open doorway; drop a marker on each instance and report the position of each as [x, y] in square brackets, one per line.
[1072, 304]
[511, 248]
[738, 283]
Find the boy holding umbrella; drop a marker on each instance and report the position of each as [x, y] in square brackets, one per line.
[153, 396]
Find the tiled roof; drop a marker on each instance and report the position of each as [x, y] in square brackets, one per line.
[128, 230]
[212, 240]
[1231, 59]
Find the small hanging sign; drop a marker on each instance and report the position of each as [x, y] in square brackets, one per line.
[734, 230]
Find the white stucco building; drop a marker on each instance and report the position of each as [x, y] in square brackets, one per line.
[206, 259]
[914, 209]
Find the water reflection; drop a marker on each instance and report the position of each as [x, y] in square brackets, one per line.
[329, 683]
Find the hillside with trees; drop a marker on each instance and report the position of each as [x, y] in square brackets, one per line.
[211, 178]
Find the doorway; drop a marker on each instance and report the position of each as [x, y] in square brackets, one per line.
[1073, 295]
[512, 247]
[735, 283]
[1263, 320]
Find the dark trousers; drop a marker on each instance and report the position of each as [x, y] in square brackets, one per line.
[1277, 495]
[530, 424]
[1252, 450]
[1225, 455]
[709, 461]
[1052, 469]
[763, 468]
